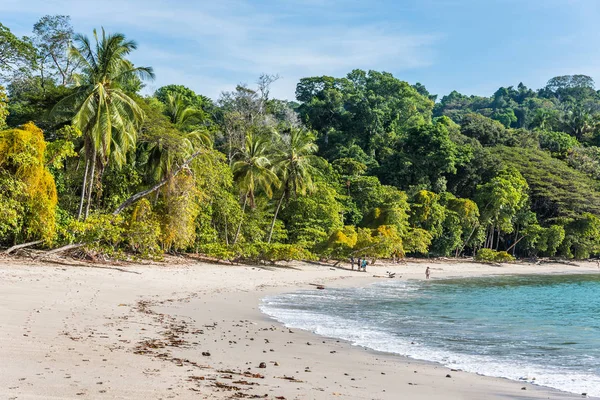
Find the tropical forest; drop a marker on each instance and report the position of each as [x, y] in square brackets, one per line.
[359, 165]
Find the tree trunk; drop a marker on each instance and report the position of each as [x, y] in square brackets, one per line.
[237, 232]
[226, 234]
[515, 243]
[460, 249]
[498, 239]
[83, 187]
[275, 217]
[89, 193]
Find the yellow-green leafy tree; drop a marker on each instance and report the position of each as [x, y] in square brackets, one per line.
[342, 241]
[3, 107]
[27, 189]
[143, 230]
[178, 210]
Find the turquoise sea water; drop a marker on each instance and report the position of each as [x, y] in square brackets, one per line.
[540, 329]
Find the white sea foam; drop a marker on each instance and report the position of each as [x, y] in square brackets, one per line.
[380, 340]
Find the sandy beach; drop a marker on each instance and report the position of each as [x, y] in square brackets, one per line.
[184, 329]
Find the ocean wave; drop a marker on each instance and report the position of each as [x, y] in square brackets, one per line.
[293, 311]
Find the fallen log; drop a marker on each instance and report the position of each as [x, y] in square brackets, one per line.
[21, 246]
[59, 250]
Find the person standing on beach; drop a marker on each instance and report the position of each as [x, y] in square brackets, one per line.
[352, 262]
[427, 273]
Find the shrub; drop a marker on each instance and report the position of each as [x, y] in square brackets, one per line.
[143, 231]
[99, 232]
[417, 241]
[283, 252]
[341, 242]
[503, 256]
[259, 252]
[220, 251]
[489, 255]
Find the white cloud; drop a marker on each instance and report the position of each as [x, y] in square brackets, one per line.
[218, 44]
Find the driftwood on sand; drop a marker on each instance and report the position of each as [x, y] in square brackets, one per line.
[21, 246]
[59, 250]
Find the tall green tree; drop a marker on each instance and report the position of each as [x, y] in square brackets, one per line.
[17, 55]
[53, 35]
[105, 114]
[295, 164]
[499, 201]
[253, 171]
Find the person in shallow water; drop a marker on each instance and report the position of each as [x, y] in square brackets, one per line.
[427, 273]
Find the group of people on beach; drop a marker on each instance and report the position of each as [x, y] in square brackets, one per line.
[361, 264]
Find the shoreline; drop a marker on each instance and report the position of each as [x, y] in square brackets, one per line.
[401, 358]
[140, 331]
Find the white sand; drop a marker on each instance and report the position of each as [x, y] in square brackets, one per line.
[95, 332]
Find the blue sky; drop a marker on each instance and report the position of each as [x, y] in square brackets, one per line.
[473, 46]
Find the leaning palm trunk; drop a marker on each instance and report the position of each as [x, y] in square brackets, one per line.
[83, 186]
[275, 217]
[237, 232]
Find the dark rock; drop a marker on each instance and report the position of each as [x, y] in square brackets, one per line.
[262, 365]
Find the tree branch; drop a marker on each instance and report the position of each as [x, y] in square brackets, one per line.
[515, 243]
[154, 188]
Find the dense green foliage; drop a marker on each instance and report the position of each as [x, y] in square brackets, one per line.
[361, 165]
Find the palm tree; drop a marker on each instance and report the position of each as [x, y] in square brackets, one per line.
[169, 150]
[179, 142]
[296, 165]
[179, 112]
[578, 120]
[184, 117]
[253, 171]
[105, 114]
